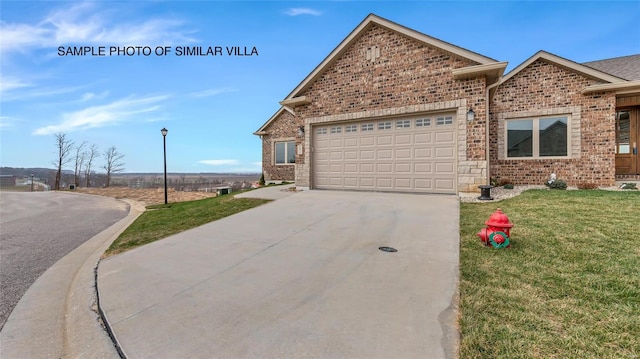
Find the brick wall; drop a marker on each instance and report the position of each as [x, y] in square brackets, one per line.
[543, 89]
[408, 76]
[283, 128]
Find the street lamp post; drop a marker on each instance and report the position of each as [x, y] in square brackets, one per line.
[164, 142]
[32, 182]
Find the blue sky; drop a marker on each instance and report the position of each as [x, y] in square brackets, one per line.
[211, 105]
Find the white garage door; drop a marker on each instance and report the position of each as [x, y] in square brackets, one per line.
[402, 155]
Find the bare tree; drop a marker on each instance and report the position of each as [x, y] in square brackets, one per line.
[91, 155]
[113, 163]
[80, 156]
[64, 146]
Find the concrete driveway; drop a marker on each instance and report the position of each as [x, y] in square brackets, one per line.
[298, 277]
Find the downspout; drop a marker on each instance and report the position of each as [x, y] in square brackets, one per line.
[487, 152]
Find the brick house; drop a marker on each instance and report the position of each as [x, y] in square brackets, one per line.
[392, 109]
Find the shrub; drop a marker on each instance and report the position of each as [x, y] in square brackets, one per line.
[262, 179]
[504, 182]
[587, 185]
[508, 186]
[556, 184]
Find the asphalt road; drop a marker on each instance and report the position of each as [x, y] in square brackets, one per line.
[39, 228]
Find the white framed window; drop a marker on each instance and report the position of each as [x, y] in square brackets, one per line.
[445, 120]
[285, 153]
[384, 125]
[538, 137]
[351, 128]
[336, 129]
[403, 123]
[366, 127]
[321, 131]
[423, 122]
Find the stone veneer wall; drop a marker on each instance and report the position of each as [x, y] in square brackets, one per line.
[544, 89]
[408, 77]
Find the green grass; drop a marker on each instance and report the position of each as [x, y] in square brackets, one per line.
[569, 287]
[161, 221]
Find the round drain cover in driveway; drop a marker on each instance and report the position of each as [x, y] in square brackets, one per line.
[387, 249]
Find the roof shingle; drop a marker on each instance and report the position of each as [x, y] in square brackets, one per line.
[625, 67]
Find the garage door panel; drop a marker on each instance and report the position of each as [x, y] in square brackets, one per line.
[384, 182]
[385, 140]
[350, 155]
[367, 141]
[350, 168]
[404, 139]
[350, 142]
[444, 137]
[403, 183]
[444, 152]
[384, 154]
[403, 153]
[423, 167]
[390, 155]
[367, 155]
[422, 138]
[422, 153]
[368, 167]
[402, 168]
[386, 168]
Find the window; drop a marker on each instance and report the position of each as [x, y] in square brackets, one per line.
[366, 127]
[448, 120]
[321, 131]
[423, 122]
[285, 153]
[384, 125]
[351, 128]
[403, 123]
[538, 137]
[336, 129]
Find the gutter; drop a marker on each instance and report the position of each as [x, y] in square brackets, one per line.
[488, 102]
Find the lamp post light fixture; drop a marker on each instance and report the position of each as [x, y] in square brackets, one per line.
[32, 182]
[471, 115]
[164, 132]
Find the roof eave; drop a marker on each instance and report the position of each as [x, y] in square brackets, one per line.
[625, 87]
[492, 72]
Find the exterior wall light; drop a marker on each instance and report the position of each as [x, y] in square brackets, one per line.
[471, 115]
[301, 131]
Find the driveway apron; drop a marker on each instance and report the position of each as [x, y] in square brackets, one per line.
[302, 276]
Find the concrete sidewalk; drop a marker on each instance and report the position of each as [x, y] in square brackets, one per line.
[298, 277]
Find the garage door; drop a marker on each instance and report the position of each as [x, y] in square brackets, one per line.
[402, 155]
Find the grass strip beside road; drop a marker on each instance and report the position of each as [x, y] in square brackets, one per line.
[569, 287]
[161, 221]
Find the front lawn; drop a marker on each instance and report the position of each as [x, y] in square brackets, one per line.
[569, 287]
[161, 221]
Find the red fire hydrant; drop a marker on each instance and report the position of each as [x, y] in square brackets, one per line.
[496, 234]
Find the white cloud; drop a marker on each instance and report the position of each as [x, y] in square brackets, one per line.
[212, 92]
[219, 162]
[302, 11]
[5, 121]
[86, 24]
[92, 96]
[257, 164]
[99, 116]
[8, 84]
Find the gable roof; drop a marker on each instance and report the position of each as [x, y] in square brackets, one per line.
[561, 61]
[626, 67]
[369, 21]
[260, 131]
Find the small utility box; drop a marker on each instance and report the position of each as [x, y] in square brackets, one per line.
[223, 190]
[72, 186]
